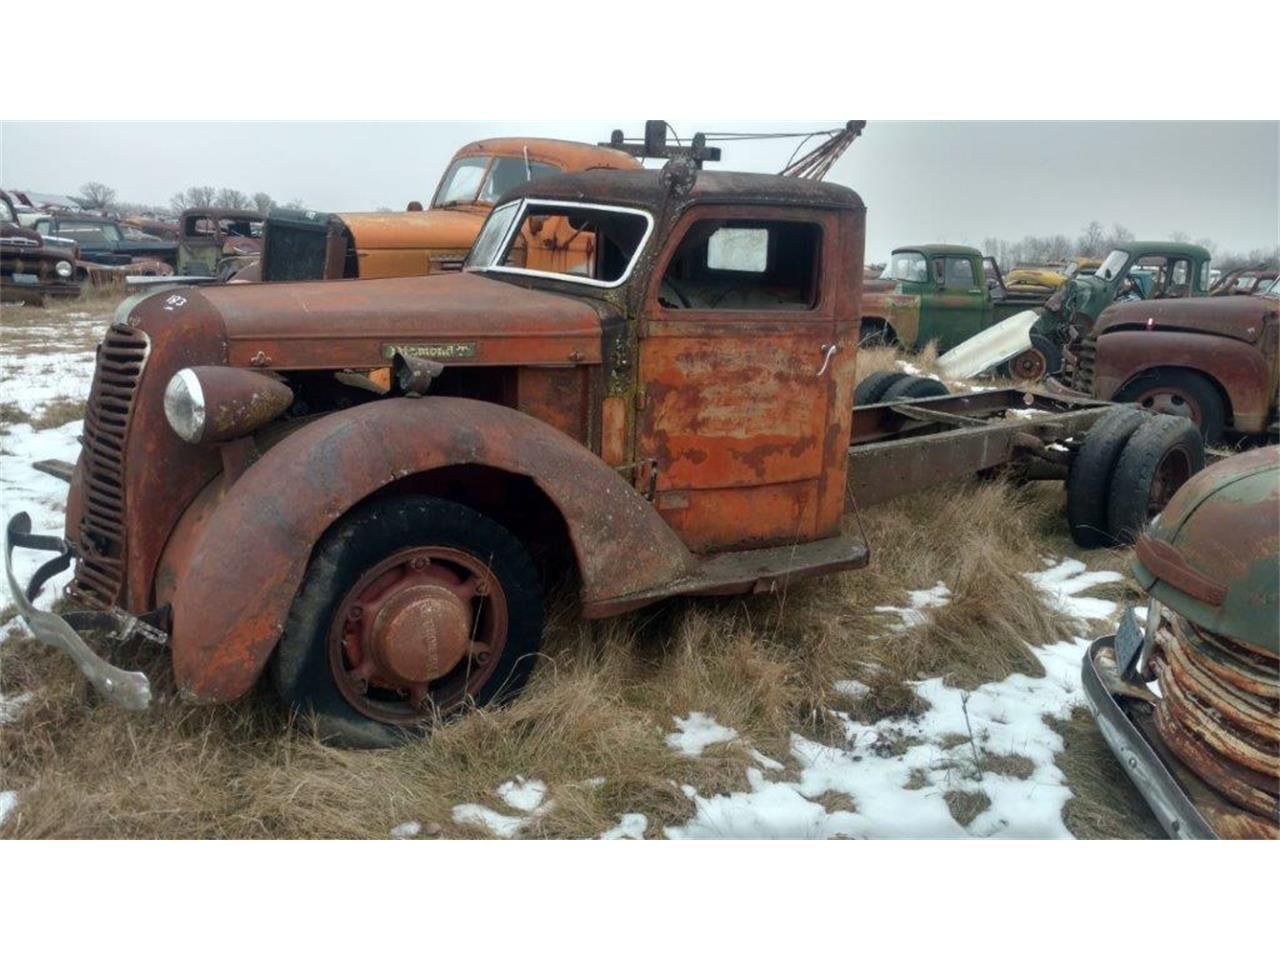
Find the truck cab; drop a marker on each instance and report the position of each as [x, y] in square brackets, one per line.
[938, 293]
[311, 245]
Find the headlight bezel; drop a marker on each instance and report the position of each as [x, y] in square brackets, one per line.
[184, 405]
[64, 269]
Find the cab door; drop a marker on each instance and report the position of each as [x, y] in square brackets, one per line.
[746, 375]
[957, 308]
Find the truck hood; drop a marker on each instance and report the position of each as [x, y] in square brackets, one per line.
[459, 318]
[420, 230]
[1240, 318]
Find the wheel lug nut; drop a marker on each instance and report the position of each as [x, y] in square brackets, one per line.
[419, 563]
[482, 588]
[355, 613]
[482, 658]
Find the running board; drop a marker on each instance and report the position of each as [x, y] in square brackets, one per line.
[767, 570]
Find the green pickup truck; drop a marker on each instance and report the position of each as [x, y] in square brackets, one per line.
[947, 293]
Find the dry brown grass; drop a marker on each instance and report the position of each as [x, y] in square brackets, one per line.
[1105, 803]
[599, 705]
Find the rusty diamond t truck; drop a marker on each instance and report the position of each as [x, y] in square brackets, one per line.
[360, 489]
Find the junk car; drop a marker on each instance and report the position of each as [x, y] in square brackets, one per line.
[101, 240]
[1189, 700]
[30, 270]
[361, 490]
[1214, 360]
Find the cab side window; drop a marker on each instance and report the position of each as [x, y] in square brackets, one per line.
[744, 265]
[959, 274]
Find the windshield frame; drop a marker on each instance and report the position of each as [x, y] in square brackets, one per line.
[514, 227]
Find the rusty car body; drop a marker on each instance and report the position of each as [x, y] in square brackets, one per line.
[673, 417]
[1244, 282]
[1213, 359]
[309, 245]
[30, 271]
[101, 240]
[1190, 703]
[217, 242]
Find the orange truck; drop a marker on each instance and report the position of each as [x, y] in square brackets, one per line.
[309, 245]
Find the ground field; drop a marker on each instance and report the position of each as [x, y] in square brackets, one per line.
[935, 694]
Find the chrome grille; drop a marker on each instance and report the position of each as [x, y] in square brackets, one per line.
[1085, 353]
[100, 570]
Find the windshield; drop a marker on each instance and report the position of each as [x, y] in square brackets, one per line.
[486, 179]
[1112, 266]
[572, 241]
[6, 211]
[906, 265]
[461, 181]
[82, 231]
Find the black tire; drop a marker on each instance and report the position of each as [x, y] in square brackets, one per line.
[300, 666]
[1089, 475]
[914, 388]
[874, 385]
[1196, 393]
[1163, 453]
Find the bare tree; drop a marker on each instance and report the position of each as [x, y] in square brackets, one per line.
[231, 199]
[295, 204]
[262, 202]
[193, 197]
[1091, 242]
[95, 196]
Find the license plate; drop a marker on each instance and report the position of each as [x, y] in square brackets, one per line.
[1128, 643]
[28, 279]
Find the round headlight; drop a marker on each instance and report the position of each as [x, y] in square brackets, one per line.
[64, 269]
[184, 405]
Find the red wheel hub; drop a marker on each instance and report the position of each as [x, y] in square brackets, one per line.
[1029, 365]
[417, 634]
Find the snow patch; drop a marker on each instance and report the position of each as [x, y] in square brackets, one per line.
[498, 824]
[697, 732]
[630, 827]
[522, 794]
[939, 595]
[403, 831]
[8, 800]
[1064, 579]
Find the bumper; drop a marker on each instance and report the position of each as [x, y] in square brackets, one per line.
[128, 689]
[1177, 814]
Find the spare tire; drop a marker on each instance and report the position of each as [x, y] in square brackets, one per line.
[874, 385]
[914, 388]
[1162, 455]
[1089, 475]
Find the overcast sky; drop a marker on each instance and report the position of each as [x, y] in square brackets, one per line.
[957, 182]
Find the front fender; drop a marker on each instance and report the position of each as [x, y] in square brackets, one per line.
[231, 603]
[1238, 368]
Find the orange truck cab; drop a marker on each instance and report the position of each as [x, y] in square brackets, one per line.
[310, 245]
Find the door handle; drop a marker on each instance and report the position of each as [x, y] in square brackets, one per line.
[827, 350]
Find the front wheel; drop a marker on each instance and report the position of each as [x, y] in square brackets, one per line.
[1179, 393]
[411, 610]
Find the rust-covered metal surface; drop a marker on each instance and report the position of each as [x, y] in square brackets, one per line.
[227, 614]
[1234, 341]
[1204, 744]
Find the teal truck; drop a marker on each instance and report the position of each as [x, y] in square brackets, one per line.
[947, 293]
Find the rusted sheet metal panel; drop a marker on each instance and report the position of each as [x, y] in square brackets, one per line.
[559, 397]
[736, 406]
[1244, 373]
[227, 615]
[1238, 318]
[458, 318]
[1218, 714]
[900, 311]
